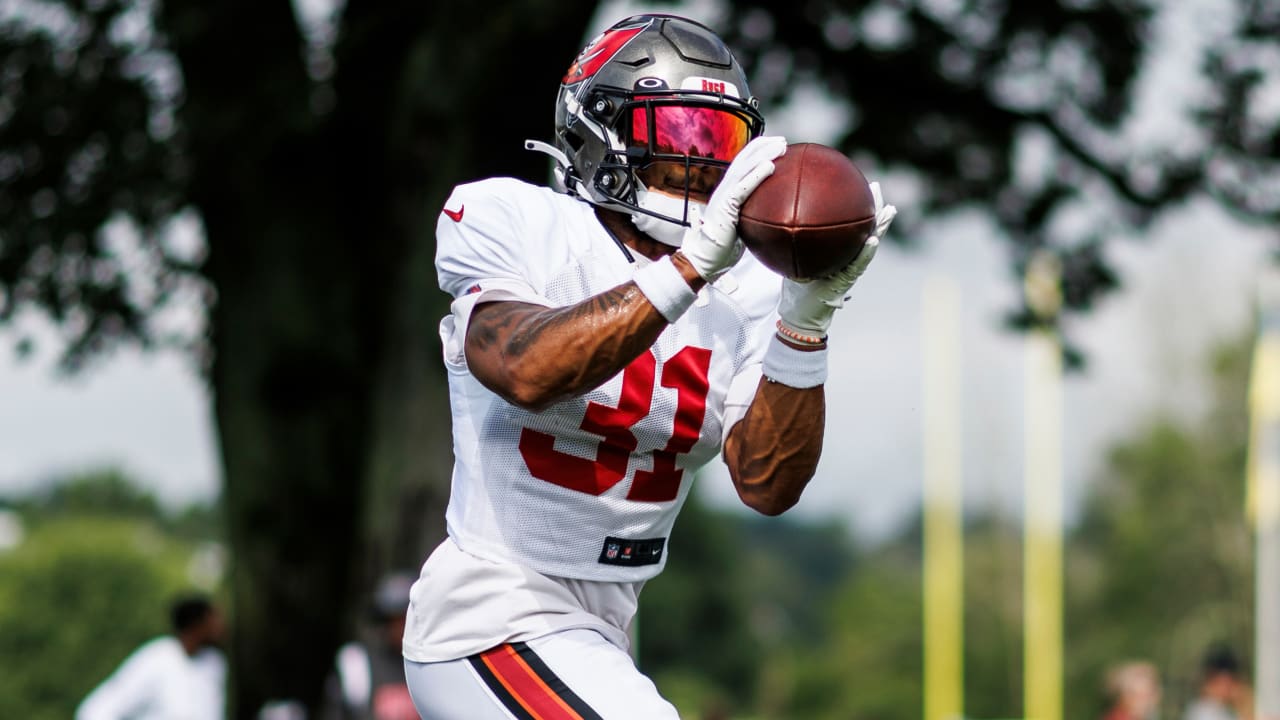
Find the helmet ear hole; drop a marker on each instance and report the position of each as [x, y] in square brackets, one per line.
[600, 107]
[573, 140]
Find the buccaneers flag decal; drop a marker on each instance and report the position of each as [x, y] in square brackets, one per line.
[598, 52]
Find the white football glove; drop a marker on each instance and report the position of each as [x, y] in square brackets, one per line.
[806, 308]
[711, 244]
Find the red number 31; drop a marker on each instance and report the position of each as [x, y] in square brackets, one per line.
[686, 373]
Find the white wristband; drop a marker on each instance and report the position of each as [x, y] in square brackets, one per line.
[666, 288]
[795, 368]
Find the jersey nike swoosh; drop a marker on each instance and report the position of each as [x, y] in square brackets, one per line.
[455, 215]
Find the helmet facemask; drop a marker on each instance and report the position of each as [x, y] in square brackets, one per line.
[683, 144]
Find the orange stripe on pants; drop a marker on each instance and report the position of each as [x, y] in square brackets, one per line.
[525, 686]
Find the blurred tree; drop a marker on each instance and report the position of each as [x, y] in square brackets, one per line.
[102, 492]
[77, 596]
[110, 492]
[1025, 109]
[198, 521]
[695, 617]
[1161, 565]
[792, 566]
[316, 151]
[693, 630]
[1158, 567]
[1243, 168]
[869, 662]
[738, 589]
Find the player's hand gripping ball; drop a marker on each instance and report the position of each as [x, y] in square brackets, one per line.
[811, 217]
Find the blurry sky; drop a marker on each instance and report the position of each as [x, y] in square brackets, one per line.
[1188, 285]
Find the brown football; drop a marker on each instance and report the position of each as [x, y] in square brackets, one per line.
[811, 217]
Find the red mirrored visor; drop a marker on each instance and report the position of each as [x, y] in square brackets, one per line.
[697, 131]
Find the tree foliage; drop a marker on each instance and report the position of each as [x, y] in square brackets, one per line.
[735, 591]
[87, 584]
[869, 662]
[87, 139]
[1163, 551]
[961, 96]
[1159, 567]
[1243, 166]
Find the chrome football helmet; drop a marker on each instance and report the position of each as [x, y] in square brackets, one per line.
[656, 101]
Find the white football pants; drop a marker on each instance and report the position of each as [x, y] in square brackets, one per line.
[568, 675]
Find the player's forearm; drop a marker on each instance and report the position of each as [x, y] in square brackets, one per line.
[550, 354]
[773, 451]
[534, 356]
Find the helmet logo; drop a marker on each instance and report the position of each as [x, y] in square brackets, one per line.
[651, 83]
[598, 52]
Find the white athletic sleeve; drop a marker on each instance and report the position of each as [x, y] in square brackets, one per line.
[483, 246]
[355, 675]
[742, 390]
[761, 309]
[127, 691]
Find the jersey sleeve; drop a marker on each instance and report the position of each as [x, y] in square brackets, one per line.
[125, 692]
[483, 244]
[482, 252]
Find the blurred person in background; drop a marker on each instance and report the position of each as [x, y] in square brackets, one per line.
[1133, 691]
[368, 681]
[606, 339]
[180, 676]
[1224, 692]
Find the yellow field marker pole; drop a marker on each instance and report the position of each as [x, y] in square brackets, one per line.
[943, 504]
[1042, 498]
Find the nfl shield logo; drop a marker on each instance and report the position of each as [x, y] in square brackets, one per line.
[611, 551]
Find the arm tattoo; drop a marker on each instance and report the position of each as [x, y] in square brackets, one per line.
[562, 351]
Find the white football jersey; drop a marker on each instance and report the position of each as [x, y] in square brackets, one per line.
[588, 488]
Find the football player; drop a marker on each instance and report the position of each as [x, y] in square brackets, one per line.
[607, 338]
